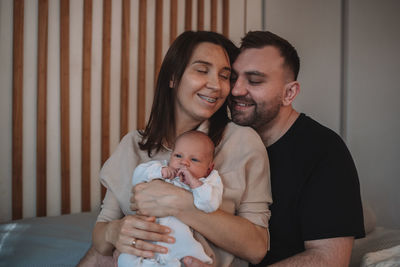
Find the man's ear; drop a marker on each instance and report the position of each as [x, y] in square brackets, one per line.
[291, 91]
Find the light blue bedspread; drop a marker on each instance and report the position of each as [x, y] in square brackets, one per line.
[46, 241]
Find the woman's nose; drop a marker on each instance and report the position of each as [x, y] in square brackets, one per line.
[213, 82]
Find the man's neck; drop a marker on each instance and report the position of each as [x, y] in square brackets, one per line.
[274, 130]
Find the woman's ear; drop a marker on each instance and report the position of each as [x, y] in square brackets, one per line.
[291, 91]
[171, 84]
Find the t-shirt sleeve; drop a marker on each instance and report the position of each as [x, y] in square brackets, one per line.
[331, 203]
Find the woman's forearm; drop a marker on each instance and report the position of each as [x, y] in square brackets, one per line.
[234, 234]
[99, 239]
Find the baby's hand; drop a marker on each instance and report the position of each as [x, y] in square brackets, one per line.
[187, 178]
[168, 172]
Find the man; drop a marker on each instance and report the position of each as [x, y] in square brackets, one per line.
[317, 211]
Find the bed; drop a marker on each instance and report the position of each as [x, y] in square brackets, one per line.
[46, 241]
[63, 240]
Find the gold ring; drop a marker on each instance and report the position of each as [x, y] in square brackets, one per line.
[133, 243]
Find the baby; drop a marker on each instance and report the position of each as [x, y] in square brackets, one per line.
[191, 167]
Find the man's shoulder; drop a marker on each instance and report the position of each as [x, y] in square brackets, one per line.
[316, 131]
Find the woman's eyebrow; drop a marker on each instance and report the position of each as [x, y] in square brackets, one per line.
[201, 62]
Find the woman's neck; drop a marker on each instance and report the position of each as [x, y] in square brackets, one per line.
[184, 124]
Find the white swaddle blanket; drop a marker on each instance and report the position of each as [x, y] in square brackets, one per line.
[207, 198]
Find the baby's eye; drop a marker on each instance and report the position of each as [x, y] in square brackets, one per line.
[178, 156]
[195, 160]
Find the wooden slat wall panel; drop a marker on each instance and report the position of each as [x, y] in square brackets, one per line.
[18, 57]
[173, 20]
[214, 9]
[188, 15]
[64, 105]
[158, 38]
[180, 12]
[86, 104]
[41, 136]
[105, 85]
[200, 15]
[225, 18]
[141, 86]
[124, 95]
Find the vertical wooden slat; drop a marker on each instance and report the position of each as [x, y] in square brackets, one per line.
[141, 97]
[86, 104]
[214, 9]
[124, 101]
[173, 20]
[41, 109]
[158, 38]
[105, 85]
[225, 18]
[200, 15]
[64, 105]
[18, 57]
[188, 15]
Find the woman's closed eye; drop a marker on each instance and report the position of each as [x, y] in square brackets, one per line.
[202, 70]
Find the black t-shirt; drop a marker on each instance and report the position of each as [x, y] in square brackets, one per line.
[315, 190]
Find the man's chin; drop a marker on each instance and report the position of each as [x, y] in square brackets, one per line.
[241, 120]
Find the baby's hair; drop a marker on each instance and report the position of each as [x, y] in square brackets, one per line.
[202, 136]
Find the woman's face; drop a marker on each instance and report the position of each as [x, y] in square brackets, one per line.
[204, 85]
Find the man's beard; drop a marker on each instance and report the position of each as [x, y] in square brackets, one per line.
[261, 114]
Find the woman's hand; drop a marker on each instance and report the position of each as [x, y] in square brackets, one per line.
[133, 234]
[160, 199]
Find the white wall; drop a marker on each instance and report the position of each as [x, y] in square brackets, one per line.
[360, 103]
[373, 109]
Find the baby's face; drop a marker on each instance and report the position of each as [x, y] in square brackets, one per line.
[192, 154]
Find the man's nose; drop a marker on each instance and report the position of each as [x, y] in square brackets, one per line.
[239, 88]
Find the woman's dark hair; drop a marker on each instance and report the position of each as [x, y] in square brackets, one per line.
[161, 124]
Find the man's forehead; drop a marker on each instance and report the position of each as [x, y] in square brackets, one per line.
[257, 60]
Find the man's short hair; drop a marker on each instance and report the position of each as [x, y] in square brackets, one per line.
[259, 39]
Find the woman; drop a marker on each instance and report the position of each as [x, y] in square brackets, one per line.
[191, 92]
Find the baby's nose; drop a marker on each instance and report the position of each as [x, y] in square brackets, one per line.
[185, 162]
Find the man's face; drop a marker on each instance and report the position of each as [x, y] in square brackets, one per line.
[256, 97]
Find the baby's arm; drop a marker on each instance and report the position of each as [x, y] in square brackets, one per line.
[168, 172]
[208, 197]
[146, 172]
[187, 178]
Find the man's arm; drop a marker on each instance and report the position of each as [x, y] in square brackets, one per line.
[323, 252]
